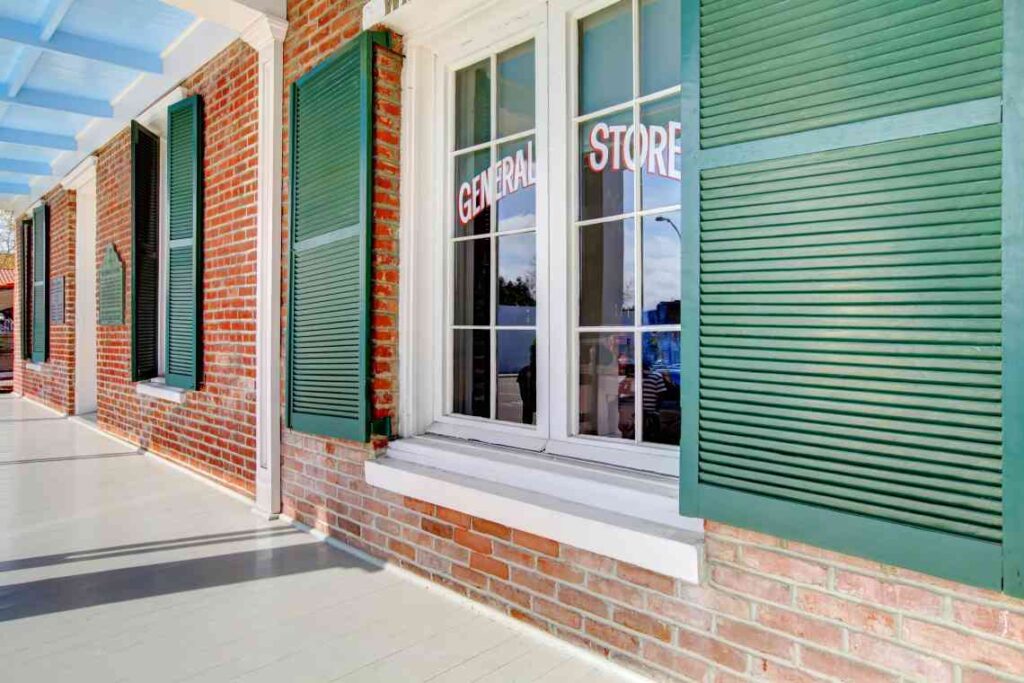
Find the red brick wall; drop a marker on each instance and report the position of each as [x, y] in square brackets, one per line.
[214, 430]
[54, 383]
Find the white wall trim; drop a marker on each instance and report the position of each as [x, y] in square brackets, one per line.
[659, 548]
[157, 389]
[83, 182]
[650, 497]
[81, 176]
[266, 35]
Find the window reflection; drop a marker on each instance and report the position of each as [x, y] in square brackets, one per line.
[606, 385]
[606, 58]
[473, 105]
[661, 52]
[662, 265]
[471, 385]
[660, 391]
[517, 376]
[474, 193]
[515, 178]
[606, 181]
[607, 280]
[516, 90]
[472, 282]
[517, 280]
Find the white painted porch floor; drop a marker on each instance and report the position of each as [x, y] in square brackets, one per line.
[117, 567]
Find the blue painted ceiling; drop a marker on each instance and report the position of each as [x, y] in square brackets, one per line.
[63, 63]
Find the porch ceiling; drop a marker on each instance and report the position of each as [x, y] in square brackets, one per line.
[74, 72]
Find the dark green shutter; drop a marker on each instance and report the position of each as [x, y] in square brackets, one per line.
[329, 294]
[184, 262]
[844, 279]
[26, 289]
[40, 284]
[145, 253]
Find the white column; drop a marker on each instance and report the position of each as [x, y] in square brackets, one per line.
[266, 36]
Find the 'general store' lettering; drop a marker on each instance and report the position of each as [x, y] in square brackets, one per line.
[506, 176]
[658, 148]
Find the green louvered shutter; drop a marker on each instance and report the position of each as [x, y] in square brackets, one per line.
[330, 246]
[845, 280]
[185, 284]
[40, 283]
[145, 253]
[25, 259]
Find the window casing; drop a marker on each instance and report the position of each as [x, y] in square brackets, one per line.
[428, 392]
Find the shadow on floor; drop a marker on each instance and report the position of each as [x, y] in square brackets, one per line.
[71, 458]
[144, 548]
[49, 596]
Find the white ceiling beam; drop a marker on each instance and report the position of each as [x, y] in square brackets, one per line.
[79, 46]
[21, 69]
[54, 15]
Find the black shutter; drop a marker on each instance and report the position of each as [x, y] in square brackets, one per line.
[145, 252]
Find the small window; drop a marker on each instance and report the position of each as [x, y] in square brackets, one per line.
[626, 223]
[493, 279]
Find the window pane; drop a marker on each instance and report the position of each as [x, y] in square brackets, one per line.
[660, 44]
[471, 384]
[662, 245]
[473, 105]
[607, 280]
[606, 181]
[660, 153]
[606, 385]
[606, 57]
[517, 376]
[474, 193]
[472, 287]
[660, 392]
[515, 185]
[516, 90]
[517, 280]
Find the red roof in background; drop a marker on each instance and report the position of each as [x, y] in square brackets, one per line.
[7, 273]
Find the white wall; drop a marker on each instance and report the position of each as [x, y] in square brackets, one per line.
[85, 296]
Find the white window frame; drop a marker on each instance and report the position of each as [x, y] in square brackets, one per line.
[428, 216]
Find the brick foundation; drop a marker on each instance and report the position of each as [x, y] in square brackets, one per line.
[54, 383]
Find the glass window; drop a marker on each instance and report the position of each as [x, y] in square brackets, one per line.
[627, 217]
[494, 240]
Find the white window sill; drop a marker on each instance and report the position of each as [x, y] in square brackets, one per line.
[34, 367]
[637, 521]
[156, 388]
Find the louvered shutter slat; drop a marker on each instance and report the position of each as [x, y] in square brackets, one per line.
[145, 253]
[26, 289]
[329, 284]
[40, 284]
[856, 365]
[769, 70]
[184, 262]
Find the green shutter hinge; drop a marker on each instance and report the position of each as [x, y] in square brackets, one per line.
[382, 427]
